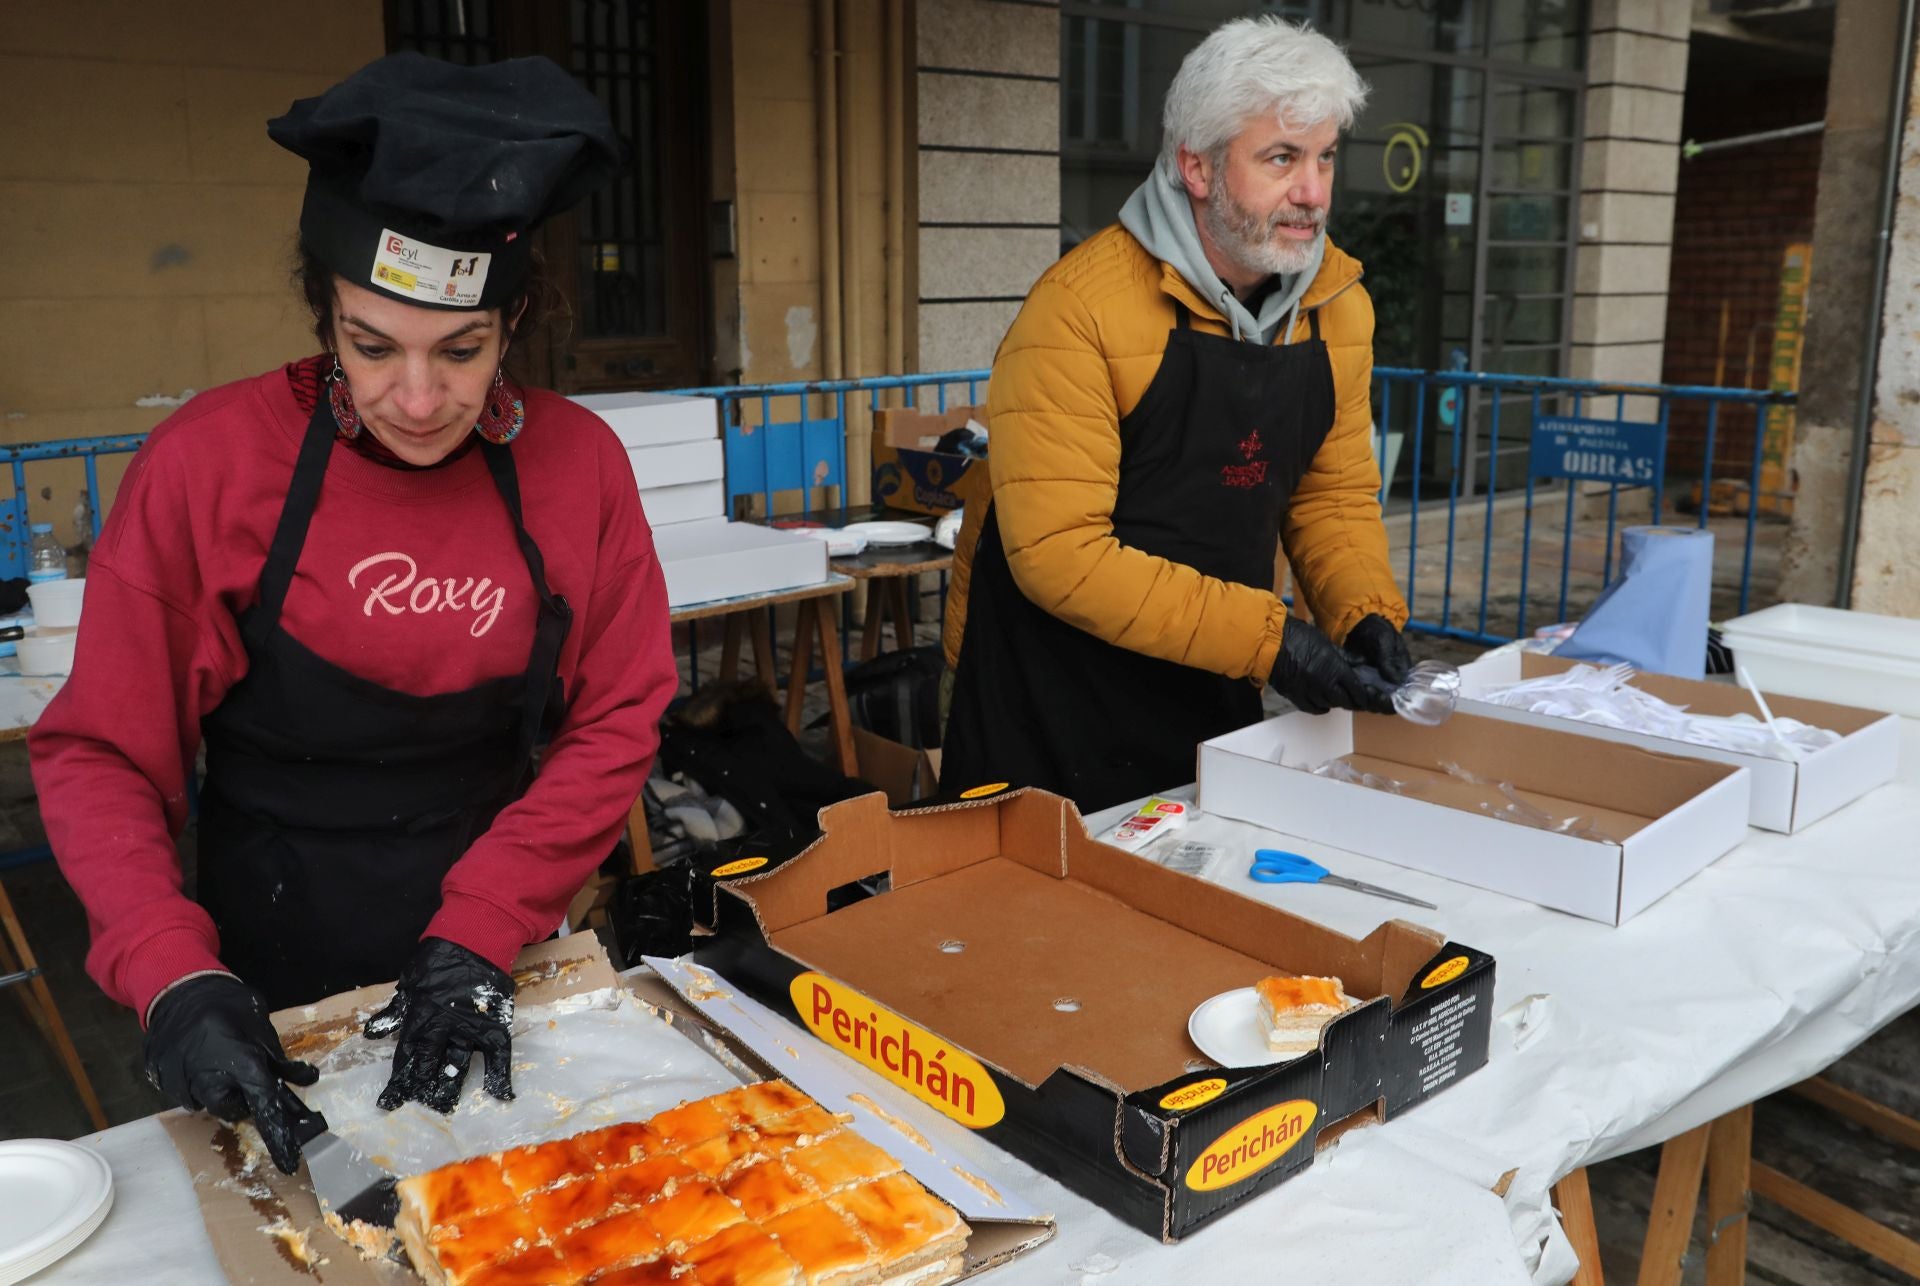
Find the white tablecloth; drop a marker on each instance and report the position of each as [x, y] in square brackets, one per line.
[1761, 970]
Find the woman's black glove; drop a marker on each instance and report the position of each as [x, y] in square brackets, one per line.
[210, 1046]
[448, 1006]
[1375, 642]
[1317, 676]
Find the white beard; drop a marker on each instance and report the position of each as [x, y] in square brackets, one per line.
[1248, 237]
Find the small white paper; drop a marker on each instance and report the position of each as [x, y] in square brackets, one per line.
[413, 269]
[1459, 209]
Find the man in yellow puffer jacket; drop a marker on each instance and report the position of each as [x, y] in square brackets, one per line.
[1180, 395]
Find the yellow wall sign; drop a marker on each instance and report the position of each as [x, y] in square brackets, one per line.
[981, 792]
[1444, 972]
[740, 867]
[911, 1057]
[1188, 1097]
[1251, 1146]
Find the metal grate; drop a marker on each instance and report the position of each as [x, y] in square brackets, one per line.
[459, 31]
[621, 242]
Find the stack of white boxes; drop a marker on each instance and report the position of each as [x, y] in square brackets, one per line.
[679, 465]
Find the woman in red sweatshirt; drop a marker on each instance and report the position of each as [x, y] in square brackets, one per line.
[370, 582]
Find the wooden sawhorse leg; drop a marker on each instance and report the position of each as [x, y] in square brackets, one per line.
[816, 617]
[18, 959]
[1575, 1203]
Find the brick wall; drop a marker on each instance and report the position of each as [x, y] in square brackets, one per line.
[146, 222]
[1737, 211]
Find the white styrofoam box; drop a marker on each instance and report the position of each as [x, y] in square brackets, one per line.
[687, 502]
[654, 419]
[1853, 658]
[708, 561]
[1683, 813]
[679, 462]
[1787, 795]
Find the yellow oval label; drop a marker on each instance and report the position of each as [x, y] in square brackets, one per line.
[1251, 1146]
[742, 866]
[1191, 1096]
[981, 792]
[913, 1058]
[1444, 972]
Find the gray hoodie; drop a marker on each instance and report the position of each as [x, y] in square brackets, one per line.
[1160, 218]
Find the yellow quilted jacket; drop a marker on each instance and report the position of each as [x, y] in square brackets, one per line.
[1085, 346]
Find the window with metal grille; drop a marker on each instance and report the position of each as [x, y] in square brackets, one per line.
[629, 262]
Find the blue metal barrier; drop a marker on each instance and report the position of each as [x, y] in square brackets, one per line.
[15, 539]
[1458, 426]
[766, 456]
[1587, 434]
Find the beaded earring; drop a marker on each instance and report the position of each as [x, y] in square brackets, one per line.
[345, 418]
[505, 412]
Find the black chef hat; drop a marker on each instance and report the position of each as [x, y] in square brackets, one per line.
[426, 177]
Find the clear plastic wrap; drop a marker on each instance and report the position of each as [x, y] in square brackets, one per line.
[581, 1062]
[1429, 695]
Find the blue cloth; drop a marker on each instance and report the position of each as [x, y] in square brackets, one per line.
[1655, 616]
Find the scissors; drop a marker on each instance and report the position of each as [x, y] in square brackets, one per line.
[1277, 866]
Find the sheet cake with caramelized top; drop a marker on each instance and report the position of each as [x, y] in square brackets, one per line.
[759, 1186]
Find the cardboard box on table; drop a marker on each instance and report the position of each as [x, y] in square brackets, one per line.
[715, 559]
[1035, 985]
[1787, 795]
[1669, 817]
[907, 472]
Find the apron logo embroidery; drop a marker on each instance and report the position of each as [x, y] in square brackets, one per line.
[405, 590]
[1248, 475]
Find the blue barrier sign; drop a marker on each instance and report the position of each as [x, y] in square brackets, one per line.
[1566, 446]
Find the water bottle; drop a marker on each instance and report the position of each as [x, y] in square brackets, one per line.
[47, 557]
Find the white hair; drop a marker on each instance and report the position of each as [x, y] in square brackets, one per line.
[1253, 66]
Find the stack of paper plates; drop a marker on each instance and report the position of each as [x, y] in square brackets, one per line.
[52, 1196]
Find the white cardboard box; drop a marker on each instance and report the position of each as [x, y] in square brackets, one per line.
[1787, 796]
[716, 559]
[1673, 816]
[678, 462]
[1831, 655]
[687, 502]
[654, 419]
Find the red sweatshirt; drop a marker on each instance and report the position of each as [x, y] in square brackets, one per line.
[409, 578]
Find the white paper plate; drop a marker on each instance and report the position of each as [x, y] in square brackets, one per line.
[1227, 1029]
[840, 544]
[52, 1196]
[891, 533]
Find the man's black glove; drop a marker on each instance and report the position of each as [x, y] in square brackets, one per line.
[210, 1046]
[1317, 676]
[1375, 642]
[449, 1005]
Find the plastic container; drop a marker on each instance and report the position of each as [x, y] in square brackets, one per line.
[56, 603]
[1850, 658]
[45, 651]
[46, 557]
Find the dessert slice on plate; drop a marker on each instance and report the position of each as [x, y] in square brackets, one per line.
[1294, 1010]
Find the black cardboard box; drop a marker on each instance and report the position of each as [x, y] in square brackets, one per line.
[1035, 985]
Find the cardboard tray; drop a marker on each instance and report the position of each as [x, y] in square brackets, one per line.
[907, 474]
[654, 419]
[1035, 986]
[1787, 796]
[1671, 817]
[684, 502]
[677, 463]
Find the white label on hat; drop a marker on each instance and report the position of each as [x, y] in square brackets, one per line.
[415, 270]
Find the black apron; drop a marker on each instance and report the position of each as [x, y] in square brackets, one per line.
[333, 806]
[1208, 459]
